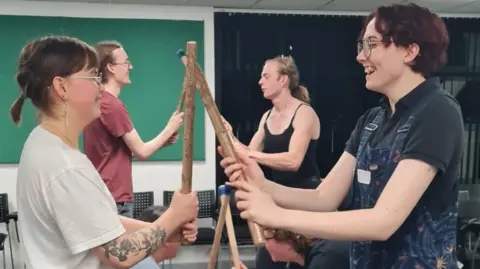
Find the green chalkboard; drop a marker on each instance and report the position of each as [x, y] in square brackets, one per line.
[157, 73]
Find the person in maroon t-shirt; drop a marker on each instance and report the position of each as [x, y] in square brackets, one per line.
[111, 141]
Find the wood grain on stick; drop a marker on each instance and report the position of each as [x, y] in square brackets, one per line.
[231, 234]
[218, 235]
[182, 97]
[189, 115]
[181, 101]
[224, 139]
[224, 217]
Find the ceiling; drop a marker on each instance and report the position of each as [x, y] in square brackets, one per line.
[471, 7]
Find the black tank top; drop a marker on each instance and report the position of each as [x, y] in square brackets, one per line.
[308, 174]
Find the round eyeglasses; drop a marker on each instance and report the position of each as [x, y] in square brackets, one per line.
[366, 46]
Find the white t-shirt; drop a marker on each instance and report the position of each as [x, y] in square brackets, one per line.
[64, 207]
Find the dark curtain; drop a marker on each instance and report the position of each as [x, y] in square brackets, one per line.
[324, 48]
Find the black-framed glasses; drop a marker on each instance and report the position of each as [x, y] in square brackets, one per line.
[366, 46]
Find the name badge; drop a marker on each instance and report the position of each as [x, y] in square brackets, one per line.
[363, 176]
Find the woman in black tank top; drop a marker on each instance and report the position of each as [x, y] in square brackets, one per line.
[307, 175]
[290, 151]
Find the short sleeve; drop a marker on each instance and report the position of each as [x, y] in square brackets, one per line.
[116, 118]
[83, 209]
[436, 135]
[354, 140]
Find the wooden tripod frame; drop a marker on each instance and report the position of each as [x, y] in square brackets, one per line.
[194, 78]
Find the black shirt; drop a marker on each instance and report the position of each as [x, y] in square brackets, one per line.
[436, 136]
[328, 254]
[308, 174]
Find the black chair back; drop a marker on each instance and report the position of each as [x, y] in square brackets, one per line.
[141, 201]
[4, 208]
[206, 202]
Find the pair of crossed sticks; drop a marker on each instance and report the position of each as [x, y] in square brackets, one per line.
[195, 79]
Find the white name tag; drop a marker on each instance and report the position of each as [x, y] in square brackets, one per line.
[363, 176]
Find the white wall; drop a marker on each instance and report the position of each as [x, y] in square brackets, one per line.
[156, 176]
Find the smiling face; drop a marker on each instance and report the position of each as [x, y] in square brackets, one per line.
[384, 62]
[59, 75]
[120, 67]
[81, 92]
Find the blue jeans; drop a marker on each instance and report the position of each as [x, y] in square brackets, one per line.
[125, 209]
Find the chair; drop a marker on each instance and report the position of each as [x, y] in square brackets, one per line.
[3, 237]
[206, 201]
[141, 201]
[14, 216]
[4, 218]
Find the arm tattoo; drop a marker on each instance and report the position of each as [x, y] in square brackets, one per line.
[144, 241]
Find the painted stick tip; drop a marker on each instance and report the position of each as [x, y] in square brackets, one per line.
[180, 53]
[192, 42]
[224, 190]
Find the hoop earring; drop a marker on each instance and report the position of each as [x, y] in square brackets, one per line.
[65, 114]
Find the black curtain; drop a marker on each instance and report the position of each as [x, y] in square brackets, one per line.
[324, 48]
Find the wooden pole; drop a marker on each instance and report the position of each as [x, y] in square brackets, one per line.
[182, 98]
[188, 98]
[224, 139]
[189, 93]
[224, 218]
[183, 57]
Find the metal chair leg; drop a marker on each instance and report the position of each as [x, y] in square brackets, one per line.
[10, 245]
[16, 230]
[4, 259]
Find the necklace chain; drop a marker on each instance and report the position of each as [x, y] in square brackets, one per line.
[59, 133]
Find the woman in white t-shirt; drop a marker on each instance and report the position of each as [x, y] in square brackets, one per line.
[68, 218]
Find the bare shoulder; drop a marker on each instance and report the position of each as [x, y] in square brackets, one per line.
[307, 119]
[306, 114]
[264, 116]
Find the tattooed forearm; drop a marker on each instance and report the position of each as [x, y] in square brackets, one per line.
[143, 242]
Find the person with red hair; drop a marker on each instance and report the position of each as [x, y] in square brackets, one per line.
[398, 174]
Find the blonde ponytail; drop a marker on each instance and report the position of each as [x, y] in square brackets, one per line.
[301, 93]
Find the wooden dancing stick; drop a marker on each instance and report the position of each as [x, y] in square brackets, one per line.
[189, 95]
[224, 138]
[224, 216]
[183, 57]
[182, 98]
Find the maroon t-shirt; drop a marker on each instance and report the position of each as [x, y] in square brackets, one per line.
[104, 145]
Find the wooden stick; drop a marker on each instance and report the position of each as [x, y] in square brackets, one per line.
[182, 98]
[225, 140]
[189, 115]
[225, 215]
[218, 234]
[183, 57]
[231, 233]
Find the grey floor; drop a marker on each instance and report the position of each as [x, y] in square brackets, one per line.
[197, 256]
